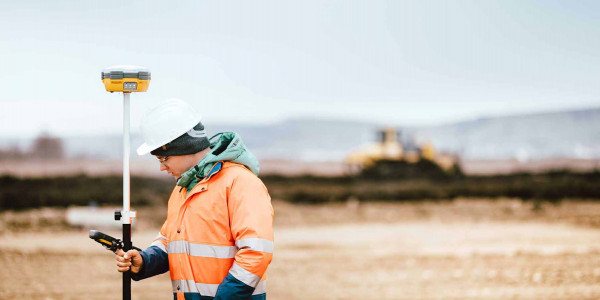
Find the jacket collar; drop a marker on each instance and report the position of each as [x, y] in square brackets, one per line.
[225, 146]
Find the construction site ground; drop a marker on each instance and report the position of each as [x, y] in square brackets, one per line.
[465, 249]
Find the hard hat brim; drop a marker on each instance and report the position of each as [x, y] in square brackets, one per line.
[165, 122]
[145, 149]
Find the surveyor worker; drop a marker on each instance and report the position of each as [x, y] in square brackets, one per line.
[217, 240]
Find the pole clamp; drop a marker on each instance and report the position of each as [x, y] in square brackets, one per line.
[126, 216]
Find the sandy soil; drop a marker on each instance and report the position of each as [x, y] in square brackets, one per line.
[428, 251]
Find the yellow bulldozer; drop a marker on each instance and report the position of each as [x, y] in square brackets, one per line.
[392, 150]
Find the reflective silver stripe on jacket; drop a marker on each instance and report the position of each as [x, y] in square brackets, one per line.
[244, 276]
[189, 286]
[261, 288]
[203, 250]
[255, 244]
[160, 245]
[205, 289]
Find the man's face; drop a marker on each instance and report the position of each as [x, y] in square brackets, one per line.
[176, 165]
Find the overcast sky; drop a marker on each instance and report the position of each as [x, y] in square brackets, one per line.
[393, 62]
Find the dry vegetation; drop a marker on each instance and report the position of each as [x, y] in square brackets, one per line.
[465, 249]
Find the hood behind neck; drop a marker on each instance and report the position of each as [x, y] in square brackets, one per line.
[225, 146]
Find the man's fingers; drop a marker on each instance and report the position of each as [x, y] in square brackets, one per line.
[123, 269]
[122, 258]
[123, 264]
[131, 254]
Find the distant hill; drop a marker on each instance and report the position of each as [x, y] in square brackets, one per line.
[574, 134]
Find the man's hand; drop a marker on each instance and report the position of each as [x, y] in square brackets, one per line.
[124, 261]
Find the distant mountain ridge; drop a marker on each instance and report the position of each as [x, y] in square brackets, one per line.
[574, 134]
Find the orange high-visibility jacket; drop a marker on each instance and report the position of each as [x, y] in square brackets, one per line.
[218, 237]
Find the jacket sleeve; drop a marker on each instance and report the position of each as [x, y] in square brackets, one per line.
[156, 260]
[251, 219]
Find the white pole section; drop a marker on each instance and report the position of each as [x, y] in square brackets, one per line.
[126, 217]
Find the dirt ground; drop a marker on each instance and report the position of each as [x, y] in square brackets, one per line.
[468, 249]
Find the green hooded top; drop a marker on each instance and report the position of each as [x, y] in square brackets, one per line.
[228, 147]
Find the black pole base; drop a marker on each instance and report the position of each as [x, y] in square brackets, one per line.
[127, 275]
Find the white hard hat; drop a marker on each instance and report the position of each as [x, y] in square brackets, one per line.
[165, 122]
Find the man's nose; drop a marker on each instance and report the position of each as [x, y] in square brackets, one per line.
[163, 167]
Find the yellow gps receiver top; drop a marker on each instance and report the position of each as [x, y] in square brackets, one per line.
[126, 79]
